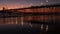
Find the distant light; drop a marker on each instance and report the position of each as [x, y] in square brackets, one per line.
[46, 0]
[42, 3]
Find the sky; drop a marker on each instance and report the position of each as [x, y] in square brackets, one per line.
[11, 4]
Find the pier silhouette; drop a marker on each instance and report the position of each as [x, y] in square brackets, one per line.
[47, 17]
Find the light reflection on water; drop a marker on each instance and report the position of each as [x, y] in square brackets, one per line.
[20, 20]
[42, 27]
[46, 27]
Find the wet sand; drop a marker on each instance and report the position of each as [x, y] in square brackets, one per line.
[19, 29]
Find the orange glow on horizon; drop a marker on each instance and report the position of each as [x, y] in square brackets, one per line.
[13, 6]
